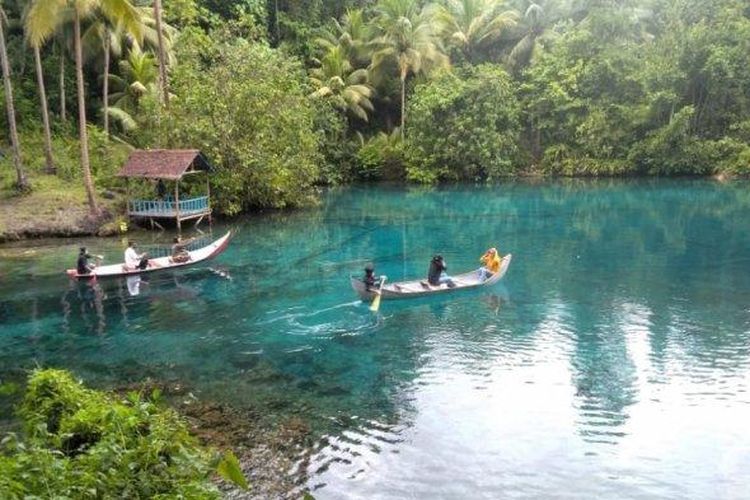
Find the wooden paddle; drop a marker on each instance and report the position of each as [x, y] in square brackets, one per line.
[376, 301]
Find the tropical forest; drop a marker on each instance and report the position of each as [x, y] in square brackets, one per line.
[351, 149]
[406, 90]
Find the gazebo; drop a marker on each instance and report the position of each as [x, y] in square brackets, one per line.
[171, 165]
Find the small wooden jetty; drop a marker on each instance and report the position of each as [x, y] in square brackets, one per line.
[172, 166]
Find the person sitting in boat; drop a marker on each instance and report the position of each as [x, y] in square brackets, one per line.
[491, 264]
[436, 275]
[134, 260]
[370, 279]
[83, 266]
[180, 252]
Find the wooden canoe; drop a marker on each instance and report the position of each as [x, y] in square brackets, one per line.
[416, 288]
[156, 264]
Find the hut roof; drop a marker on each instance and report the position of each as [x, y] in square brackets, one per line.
[169, 164]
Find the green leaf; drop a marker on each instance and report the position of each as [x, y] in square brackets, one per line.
[229, 469]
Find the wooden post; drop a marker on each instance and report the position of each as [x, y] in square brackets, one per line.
[177, 204]
[127, 195]
[208, 193]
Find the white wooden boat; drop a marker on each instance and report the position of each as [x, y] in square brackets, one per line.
[420, 288]
[157, 264]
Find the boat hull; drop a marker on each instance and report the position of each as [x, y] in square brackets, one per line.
[415, 288]
[157, 264]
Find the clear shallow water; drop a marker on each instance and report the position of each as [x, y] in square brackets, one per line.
[613, 360]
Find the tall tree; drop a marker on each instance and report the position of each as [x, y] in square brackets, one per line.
[348, 88]
[161, 54]
[472, 25]
[48, 154]
[407, 37]
[43, 19]
[21, 180]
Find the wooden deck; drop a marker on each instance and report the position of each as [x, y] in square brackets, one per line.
[191, 208]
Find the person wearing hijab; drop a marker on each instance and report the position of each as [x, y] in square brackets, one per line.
[490, 264]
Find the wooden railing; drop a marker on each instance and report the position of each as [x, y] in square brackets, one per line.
[169, 208]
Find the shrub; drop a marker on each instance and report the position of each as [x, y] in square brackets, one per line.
[87, 444]
[463, 126]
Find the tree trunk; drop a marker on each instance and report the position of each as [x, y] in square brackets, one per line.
[276, 22]
[403, 105]
[83, 135]
[21, 181]
[63, 113]
[50, 160]
[105, 90]
[162, 62]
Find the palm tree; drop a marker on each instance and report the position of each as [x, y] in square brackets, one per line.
[21, 181]
[48, 155]
[43, 18]
[161, 54]
[408, 39]
[353, 35]
[138, 77]
[348, 88]
[472, 25]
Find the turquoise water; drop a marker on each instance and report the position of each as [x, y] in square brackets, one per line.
[613, 359]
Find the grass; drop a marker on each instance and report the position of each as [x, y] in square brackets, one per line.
[56, 204]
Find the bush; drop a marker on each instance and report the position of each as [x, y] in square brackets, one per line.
[463, 126]
[86, 444]
[381, 157]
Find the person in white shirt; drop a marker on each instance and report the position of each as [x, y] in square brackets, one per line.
[134, 260]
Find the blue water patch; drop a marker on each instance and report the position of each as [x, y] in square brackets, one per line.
[612, 360]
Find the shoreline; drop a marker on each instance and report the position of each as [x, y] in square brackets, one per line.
[34, 217]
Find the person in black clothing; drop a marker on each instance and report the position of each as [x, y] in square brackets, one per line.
[436, 275]
[161, 190]
[369, 280]
[83, 266]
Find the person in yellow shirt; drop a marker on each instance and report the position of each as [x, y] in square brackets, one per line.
[491, 264]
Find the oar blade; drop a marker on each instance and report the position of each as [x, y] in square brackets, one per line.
[375, 303]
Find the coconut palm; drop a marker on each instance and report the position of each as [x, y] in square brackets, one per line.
[353, 35]
[48, 155]
[472, 25]
[348, 88]
[138, 77]
[161, 53]
[407, 39]
[43, 18]
[21, 181]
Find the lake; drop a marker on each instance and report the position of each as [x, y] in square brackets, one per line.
[613, 359]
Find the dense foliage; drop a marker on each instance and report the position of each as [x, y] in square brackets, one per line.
[82, 443]
[283, 95]
[464, 125]
[254, 121]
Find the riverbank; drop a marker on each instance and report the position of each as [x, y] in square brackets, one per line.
[53, 208]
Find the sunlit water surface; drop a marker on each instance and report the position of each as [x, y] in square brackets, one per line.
[612, 361]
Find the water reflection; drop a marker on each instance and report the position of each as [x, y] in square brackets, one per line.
[619, 339]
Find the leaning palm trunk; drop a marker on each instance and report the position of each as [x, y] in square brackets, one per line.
[50, 161]
[21, 181]
[162, 62]
[84, 140]
[403, 103]
[105, 90]
[63, 113]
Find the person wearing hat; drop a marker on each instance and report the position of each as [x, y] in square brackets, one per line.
[83, 266]
[491, 264]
